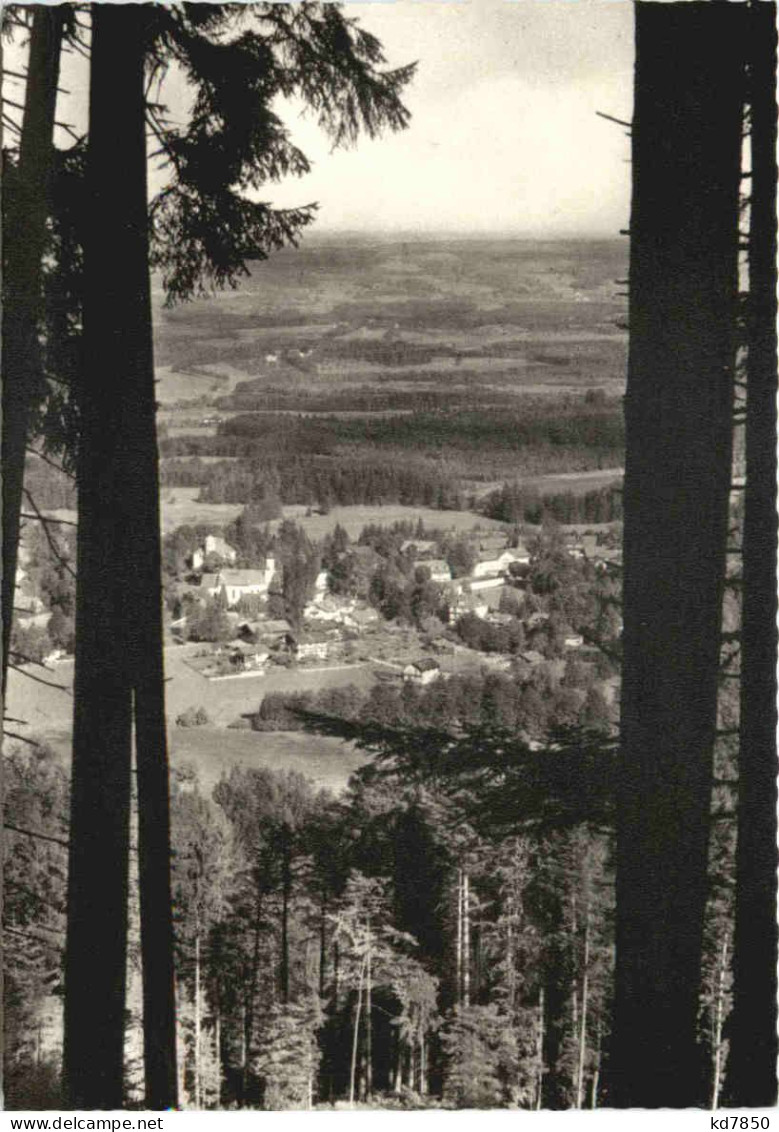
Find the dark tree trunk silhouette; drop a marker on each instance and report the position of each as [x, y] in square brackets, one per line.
[128, 25]
[753, 1042]
[686, 152]
[119, 659]
[24, 234]
[286, 893]
[100, 807]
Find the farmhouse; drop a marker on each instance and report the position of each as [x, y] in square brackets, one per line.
[239, 583]
[491, 565]
[212, 544]
[269, 631]
[423, 671]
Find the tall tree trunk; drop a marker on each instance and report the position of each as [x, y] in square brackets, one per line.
[753, 1041]
[250, 996]
[596, 1071]
[95, 961]
[583, 1025]
[718, 1019]
[198, 1099]
[689, 90]
[323, 944]
[218, 1057]
[466, 941]
[356, 1037]
[25, 210]
[286, 889]
[124, 28]
[368, 1020]
[459, 947]
[540, 1051]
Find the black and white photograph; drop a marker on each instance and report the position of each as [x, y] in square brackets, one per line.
[389, 557]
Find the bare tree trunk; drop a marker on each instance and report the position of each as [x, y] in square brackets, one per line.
[322, 945]
[718, 1018]
[25, 208]
[466, 941]
[459, 949]
[218, 1058]
[368, 1021]
[356, 1038]
[286, 889]
[596, 1071]
[583, 1028]
[540, 1051]
[198, 1098]
[753, 1024]
[248, 1011]
[512, 975]
[686, 144]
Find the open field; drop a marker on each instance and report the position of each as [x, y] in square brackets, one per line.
[328, 762]
[353, 519]
[49, 710]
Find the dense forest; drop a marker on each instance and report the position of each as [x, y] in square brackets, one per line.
[413, 939]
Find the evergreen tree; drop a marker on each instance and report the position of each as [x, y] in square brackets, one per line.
[26, 202]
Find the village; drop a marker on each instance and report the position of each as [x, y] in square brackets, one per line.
[471, 612]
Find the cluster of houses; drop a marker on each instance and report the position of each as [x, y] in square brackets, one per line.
[330, 618]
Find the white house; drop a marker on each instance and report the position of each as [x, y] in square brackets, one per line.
[212, 544]
[497, 565]
[320, 583]
[239, 583]
[423, 671]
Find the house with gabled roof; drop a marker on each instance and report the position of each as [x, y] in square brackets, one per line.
[422, 671]
[239, 583]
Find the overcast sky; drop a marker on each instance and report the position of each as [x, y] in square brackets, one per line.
[504, 134]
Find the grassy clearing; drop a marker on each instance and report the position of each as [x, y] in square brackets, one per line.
[211, 750]
[326, 761]
[353, 519]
